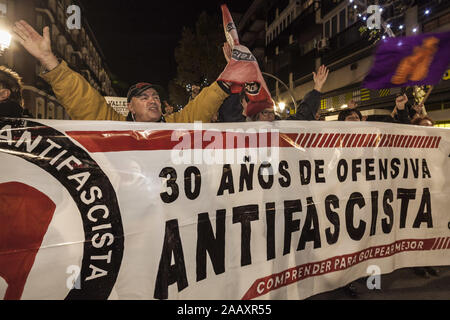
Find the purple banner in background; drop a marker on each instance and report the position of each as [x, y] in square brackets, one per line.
[409, 61]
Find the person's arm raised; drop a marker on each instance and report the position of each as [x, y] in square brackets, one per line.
[38, 46]
[320, 78]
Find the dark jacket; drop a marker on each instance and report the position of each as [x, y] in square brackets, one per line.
[402, 116]
[231, 109]
[308, 107]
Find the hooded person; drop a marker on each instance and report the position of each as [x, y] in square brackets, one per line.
[83, 102]
[11, 101]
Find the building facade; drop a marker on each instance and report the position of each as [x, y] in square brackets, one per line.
[301, 35]
[78, 47]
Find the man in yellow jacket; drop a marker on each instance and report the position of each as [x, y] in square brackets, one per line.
[83, 102]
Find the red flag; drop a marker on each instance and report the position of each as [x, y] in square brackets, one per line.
[243, 70]
[25, 214]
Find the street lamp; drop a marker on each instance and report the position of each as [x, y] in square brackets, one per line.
[287, 88]
[5, 36]
[281, 106]
[5, 40]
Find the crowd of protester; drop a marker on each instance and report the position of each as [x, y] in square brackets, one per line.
[215, 103]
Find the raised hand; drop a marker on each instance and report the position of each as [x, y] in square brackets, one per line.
[320, 77]
[401, 101]
[37, 45]
[168, 108]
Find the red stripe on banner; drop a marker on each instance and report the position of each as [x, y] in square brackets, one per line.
[311, 139]
[435, 244]
[330, 139]
[418, 142]
[316, 142]
[129, 140]
[361, 141]
[405, 141]
[413, 140]
[386, 141]
[448, 245]
[303, 144]
[325, 136]
[355, 142]
[397, 140]
[373, 139]
[338, 142]
[378, 140]
[428, 143]
[438, 245]
[441, 242]
[445, 244]
[345, 140]
[410, 142]
[289, 276]
[400, 141]
[300, 139]
[352, 140]
[424, 142]
[287, 141]
[433, 143]
[438, 142]
[391, 140]
[369, 136]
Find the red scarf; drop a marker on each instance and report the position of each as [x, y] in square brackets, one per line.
[243, 70]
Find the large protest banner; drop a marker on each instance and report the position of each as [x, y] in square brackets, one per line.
[283, 210]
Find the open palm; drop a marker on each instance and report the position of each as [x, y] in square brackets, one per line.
[38, 46]
[320, 77]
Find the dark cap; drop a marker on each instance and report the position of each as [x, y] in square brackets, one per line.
[138, 88]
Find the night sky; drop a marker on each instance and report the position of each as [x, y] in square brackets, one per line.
[138, 37]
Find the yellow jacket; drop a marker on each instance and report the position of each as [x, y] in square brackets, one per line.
[83, 102]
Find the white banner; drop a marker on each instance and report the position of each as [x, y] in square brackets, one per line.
[282, 210]
[119, 104]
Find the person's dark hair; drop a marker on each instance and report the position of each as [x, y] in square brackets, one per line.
[380, 118]
[417, 120]
[12, 81]
[345, 113]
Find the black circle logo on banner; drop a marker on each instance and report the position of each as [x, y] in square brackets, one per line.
[89, 188]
